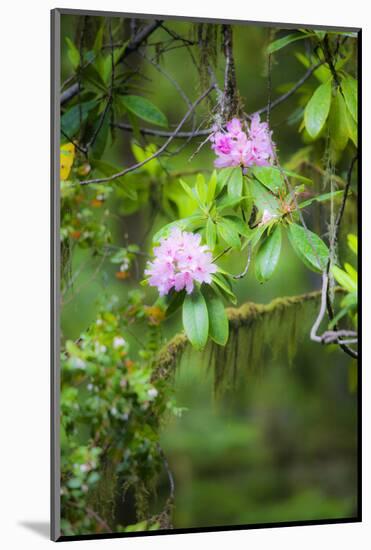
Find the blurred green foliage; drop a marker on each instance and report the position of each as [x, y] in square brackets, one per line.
[282, 445]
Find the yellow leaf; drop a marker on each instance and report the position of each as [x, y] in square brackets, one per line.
[67, 158]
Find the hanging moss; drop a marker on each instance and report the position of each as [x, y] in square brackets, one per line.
[207, 37]
[255, 329]
[102, 498]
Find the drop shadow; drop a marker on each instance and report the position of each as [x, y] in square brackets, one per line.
[42, 528]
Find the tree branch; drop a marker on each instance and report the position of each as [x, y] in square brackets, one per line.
[159, 151]
[208, 131]
[133, 45]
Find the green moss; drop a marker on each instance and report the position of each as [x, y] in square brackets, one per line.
[255, 329]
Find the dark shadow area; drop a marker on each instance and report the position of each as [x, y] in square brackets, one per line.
[42, 528]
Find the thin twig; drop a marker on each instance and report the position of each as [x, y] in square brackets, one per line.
[133, 45]
[243, 273]
[110, 94]
[208, 131]
[158, 152]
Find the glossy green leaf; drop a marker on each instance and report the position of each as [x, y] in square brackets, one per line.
[201, 188]
[70, 120]
[239, 225]
[174, 301]
[188, 189]
[353, 243]
[235, 183]
[270, 176]
[223, 177]
[344, 279]
[218, 320]
[223, 284]
[227, 231]
[296, 176]
[210, 234]
[349, 87]
[263, 198]
[317, 109]
[352, 128]
[284, 41]
[191, 223]
[309, 247]
[211, 187]
[73, 53]
[321, 198]
[268, 255]
[228, 202]
[102, 136]
[351, 272]
[339, 132]
[144, 109]
[196, 319]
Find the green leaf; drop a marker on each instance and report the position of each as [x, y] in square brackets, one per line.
[91, 76]
[317, 109]
[263, 198]
[226, 229]
[296, 176]
[344, 279]
[141, 154]
[191, 223]
[270, 176]
[228, 202]
[239, 225]
[210, 233]
[256, 235]
[218, 320]
[338, 125]
[322, 73]
[352, 128]
[144, 109]
[73, 53]
[282, 42]
[70, 120]
[223, 177]
[174, 301]
[353, 243]
[101, 140]
[196, 319]
[309, 247]
[235, 183]
[320, 198]
[98, 42]
[221, 282]
[349, 86]
[211, 187]
[351, 272]
[188, 189]
[201, 188]
[268, 255]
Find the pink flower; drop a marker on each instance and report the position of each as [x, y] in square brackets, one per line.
[235, 147]
[179, 261]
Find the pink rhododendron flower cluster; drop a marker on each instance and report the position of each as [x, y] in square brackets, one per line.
[180, 260]
[235, 147]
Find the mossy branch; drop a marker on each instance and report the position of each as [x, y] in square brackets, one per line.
[254, 329]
